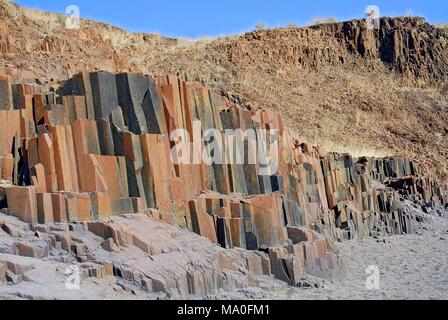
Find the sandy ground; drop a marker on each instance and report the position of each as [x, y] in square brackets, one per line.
[411, 267]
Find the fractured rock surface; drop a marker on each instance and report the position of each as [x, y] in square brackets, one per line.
[98, 146]
[123, 257]
[340, 85]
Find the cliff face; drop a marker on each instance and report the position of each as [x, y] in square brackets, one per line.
[97, 144]
[101, 145]
[339, 85]
[408, 45]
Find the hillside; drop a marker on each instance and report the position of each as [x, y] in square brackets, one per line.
[94, 203]
[339, 85]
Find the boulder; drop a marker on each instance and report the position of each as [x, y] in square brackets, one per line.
[22, 203]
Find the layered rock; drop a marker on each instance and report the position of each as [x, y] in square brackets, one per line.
[324, 86]
[122, 257]
[101, 145]
[407, 45]
[5, 38]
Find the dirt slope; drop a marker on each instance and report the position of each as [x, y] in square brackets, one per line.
[380, 92]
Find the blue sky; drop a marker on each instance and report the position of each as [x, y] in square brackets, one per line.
[196, 18]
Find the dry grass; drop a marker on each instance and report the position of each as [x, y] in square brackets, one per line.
[188, 42]
[321, 20]
[50, 23]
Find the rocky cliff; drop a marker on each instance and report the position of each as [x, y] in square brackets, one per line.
[100, 145]
[408, 45]
[376, 93]
[78, 149]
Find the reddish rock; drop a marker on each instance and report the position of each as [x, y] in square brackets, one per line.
[59, 209]
[22, 203]
[44, 208]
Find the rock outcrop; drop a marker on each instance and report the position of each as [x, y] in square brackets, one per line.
[340, 85]
[409, 45]
[101, 145]
[89, 163]
[122, 258]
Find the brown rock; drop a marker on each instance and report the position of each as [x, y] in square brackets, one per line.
[110, 245]
[44, 208]
[59, 209]
[6, 102]
[65, 239]
[298, 235]
[22, 203]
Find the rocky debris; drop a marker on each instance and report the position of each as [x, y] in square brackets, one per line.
[408, 45]
[151, 260]
[5, 37]
[76, 153]
[436, 210]
[311, 257]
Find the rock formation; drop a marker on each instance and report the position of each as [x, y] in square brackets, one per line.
[341, 86]
[100, 145]
[127, 257]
